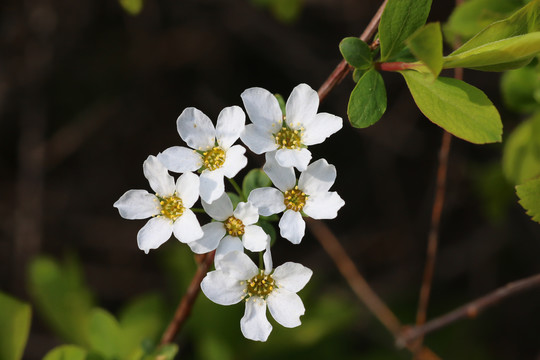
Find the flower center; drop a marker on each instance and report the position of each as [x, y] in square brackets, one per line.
[287, 138]
[214, 158]
[261, 285]
[295, 199]
[234, 226]
[171, 207]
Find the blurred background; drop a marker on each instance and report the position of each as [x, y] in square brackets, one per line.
[88, 91]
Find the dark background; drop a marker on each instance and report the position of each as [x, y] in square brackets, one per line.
[87, 92]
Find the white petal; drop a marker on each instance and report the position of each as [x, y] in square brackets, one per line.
[258, 139]
[238, 266]
[320, 127]
[301, 106]
[222, 289]
[282, 177]
[226, 245]
[292, 227]
[187, 189]
[187, 228]
[254, 238]
[156, 231]
[180, 159]
[247, 213]
[286, 307]
[262, 107]
[267, 259]
[196, 129]
[137, 204]
[220, 209]
[213, 233]
[212, 185]
[318, 177]
[158, 176]
[323, 205]
[254, 324]
[292, 276]
[267, 200]
[234, 161]
[299, 158]
[230, 124]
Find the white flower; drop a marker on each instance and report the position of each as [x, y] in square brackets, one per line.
[239, 279]
[214, 158]
[231, 227]
[310, 196]
[169, 207]
[290, 134]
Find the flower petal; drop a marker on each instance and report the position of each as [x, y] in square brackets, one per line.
[213, 233]
[187, 189]
[137, 204]
[292, 227]
[234, 161]
[282, 177]
[292, 276]
[299, 158]
[238, 265]
[254, 324]
[267, 200]
[267, 259]
[230, 124]
[212, 185]
[226, 245]
[247, 213]
[254, 238]
[320, 127]
[323, 205]
[258, 139]
[222, 289]
[180, 159]
[220, 209]
[156, 231]
[187, 228]
[158, 176]
[196, 129]
[301, 106]
[262, 107]
[286, 307]
[318, 177]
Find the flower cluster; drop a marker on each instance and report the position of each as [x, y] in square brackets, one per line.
[211, 156]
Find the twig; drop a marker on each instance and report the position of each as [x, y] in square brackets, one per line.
[186, 304]
[470, 310]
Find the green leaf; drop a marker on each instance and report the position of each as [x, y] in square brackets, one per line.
[66, 352]
[367, 102]
[521, 154]
[286, 10]
[529, 194]
[165, 352]
[281, 102]
[357, 74]
[518, 89]
[356, 52]
[105, 334]
[132, 7]
[426, 45]
[400, 19]
[15, 319]
[256, 178]
[235, 199]
[456, 106]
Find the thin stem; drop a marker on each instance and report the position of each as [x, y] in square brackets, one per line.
[470, 310]
[238, 189]
[395, 66]
[198, 210]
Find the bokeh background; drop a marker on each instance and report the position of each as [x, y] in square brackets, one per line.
[88, 91]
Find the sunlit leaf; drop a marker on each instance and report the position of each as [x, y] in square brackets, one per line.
[367, 102]
[426, 45]
[105, 334]
[132, 7]
[15, 319]
[518, 89]
[529, 194]
[66, 352]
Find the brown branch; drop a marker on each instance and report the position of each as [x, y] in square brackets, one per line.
[470, 310]
[186, 304]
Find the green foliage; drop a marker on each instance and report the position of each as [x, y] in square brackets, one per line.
[456, 106]
[66, 352]
[283, 10]
[254, 179]
[166, 352]
[281, 102]
[356, 52]
[15, 319]
[493, 189]
[521, 89]
[521, 155]
[400, 19]
[529, 194]
[105, 335]
[367, 102]
[132, 7]
[235, 199]
[426, 45]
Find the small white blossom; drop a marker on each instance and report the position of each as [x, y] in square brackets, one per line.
[310, 196]
[239, 279]
[169, 207]
[289, 135]
[214, 154]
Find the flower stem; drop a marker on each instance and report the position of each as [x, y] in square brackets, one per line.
[238, 189]
[198, 210]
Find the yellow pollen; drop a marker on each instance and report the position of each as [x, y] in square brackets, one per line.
[171, 207]
[234, 226]
[214, 158]
[295, 199]
[260, 285]
[286, 138]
